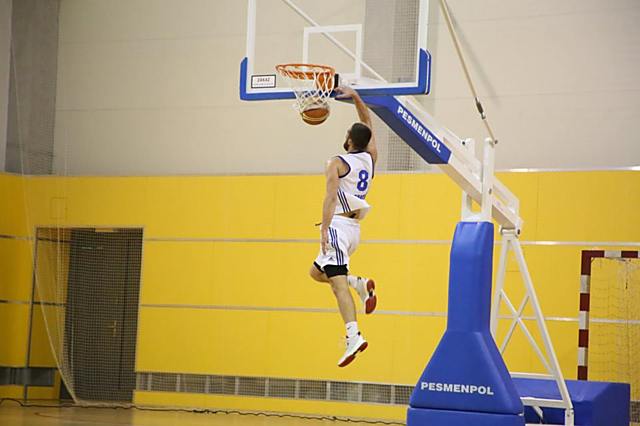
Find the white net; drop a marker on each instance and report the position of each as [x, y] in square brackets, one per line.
[312, 85]
[614, 325]
[85, 280]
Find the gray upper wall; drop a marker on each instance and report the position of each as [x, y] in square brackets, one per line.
[151, 87]
[32, 86]
[5, 64]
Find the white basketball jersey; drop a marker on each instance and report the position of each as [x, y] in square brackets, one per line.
[354, 185]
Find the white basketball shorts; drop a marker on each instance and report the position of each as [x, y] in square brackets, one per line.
[344, 237]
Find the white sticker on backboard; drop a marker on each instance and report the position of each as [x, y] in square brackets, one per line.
[263, 81]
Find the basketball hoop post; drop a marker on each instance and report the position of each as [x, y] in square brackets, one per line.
[438, 145]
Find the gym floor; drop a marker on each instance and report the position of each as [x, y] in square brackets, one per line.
[44, 416]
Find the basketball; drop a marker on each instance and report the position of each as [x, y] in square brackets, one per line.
[315, 115]
[314, 110]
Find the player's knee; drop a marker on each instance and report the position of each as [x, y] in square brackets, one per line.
[334, 271]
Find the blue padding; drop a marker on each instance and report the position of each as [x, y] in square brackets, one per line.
[466, 371]
[422, 87]
[415, 133]
[594, 403]
[427, 417]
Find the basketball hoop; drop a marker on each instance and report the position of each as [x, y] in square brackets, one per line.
[312, 84]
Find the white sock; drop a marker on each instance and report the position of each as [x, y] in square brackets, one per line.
[353, 281]
[352, 329]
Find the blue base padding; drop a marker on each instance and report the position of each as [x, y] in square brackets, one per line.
[594, 403]
[427, 417]
[466, 372]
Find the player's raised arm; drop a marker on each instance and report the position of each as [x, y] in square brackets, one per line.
[364, 115]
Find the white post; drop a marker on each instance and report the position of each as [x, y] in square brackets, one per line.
[487, 179]
[467, 201]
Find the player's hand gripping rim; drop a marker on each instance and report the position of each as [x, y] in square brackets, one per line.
[344, 92]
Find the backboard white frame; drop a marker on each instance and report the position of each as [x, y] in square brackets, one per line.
[364, 87]
[357, 28]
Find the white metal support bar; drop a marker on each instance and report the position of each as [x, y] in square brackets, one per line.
[546, 339]
[539, 412]
[467, 171]
[467, 201]
[502, 192]
[450, 139]
[487, 179]
[497, 293]
[527, 333]
[510, 242]
[542, 402]
[532, 376]
[514, 322]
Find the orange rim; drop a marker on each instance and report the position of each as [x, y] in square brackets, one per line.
[297, 71]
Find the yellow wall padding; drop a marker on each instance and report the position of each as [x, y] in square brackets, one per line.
[13, 334]
[224, 286]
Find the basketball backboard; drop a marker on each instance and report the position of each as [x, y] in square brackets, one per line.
[376, 46]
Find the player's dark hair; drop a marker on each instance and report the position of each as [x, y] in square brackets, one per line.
[360, 135]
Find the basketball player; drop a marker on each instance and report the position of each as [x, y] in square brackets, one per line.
[348, 178]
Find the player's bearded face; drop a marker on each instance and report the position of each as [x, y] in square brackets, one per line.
[345, 145]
